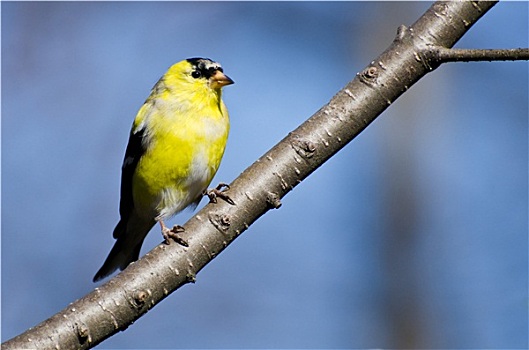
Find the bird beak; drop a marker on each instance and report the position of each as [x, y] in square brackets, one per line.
[219, 80]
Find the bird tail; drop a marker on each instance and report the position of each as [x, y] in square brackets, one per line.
[126, 249]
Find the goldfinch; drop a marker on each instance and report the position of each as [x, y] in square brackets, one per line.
[175, 147]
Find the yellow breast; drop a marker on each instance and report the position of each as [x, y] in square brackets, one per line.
[184, 145]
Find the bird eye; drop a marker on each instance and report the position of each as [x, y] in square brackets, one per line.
[196, 74]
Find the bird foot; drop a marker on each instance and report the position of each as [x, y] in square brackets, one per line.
[169, 234]
[217, 192]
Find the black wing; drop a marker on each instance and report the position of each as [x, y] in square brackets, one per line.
[135, 150]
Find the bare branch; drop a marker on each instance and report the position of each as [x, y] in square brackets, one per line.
[126, 297]
[443, 55]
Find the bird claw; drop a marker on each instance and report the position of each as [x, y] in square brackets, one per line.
[173, 234]
[217, 192]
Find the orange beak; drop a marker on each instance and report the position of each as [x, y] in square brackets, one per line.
[219, 80]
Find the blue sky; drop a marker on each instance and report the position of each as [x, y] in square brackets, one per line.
[415, 233]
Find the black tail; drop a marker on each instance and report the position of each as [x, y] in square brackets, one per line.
[126, 249]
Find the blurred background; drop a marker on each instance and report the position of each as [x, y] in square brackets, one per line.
[413, 236]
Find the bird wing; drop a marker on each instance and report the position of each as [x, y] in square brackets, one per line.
[135, 150]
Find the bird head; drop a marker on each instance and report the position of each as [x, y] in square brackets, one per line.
[212, 72]
[197, 74]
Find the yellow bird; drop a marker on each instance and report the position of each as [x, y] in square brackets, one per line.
[175, 147]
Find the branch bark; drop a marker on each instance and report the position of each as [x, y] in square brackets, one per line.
[443, 55]
[123, 299]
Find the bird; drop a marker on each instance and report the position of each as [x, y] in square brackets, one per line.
[174, 150]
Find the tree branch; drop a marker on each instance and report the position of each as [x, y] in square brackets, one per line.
[129, 295]
[443, 55]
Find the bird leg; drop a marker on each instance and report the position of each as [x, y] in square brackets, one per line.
[173, 233]
[218, 192]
